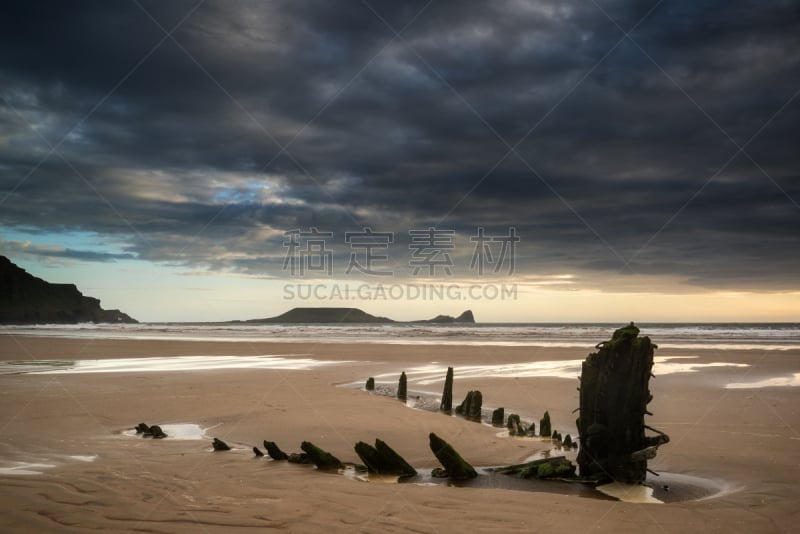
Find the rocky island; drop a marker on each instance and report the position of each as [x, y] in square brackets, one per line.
[349, 316]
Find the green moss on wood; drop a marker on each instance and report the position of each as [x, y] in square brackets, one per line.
[544, 426]
[320, 457]
[456, 467]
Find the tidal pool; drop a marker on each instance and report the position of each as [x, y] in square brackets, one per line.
[180, 431]
[664, 489]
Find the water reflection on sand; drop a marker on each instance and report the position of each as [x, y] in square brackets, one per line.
[290, 362]
[433, 373]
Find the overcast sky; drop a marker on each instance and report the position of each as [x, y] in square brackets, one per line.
[155, 153]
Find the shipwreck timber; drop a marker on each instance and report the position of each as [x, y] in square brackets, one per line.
[614, 394]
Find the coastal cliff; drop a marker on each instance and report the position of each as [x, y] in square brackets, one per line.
[25, 299]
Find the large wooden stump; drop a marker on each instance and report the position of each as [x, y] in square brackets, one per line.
[614, 394]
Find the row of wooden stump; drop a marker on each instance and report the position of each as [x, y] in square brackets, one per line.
[471, 409]
[383, 460]
[614, 394]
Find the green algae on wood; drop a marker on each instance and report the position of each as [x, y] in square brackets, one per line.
[320, 457]
[558, 467]
[544, 425]
[456, 467]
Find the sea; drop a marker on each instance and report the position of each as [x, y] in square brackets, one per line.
[725, 336]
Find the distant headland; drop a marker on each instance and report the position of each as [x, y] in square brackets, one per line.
[349, 315]
[25, 299]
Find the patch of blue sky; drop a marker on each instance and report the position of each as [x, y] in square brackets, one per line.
[250, 193]
[73, 240]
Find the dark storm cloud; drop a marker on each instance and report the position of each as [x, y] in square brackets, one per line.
[175, 145]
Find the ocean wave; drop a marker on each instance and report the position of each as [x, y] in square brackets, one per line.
[720, 336]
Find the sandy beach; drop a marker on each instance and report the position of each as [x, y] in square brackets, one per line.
[77, 469]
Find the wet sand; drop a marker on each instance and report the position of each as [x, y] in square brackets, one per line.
[91, 475]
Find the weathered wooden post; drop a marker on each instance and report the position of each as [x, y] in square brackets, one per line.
[544, 425]
[320, 457]
[498, 416]
[383, 459]
[447, 394]
[470, 407]
[402, 387]
[515, 426]
[614, 394]
[274, 451]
